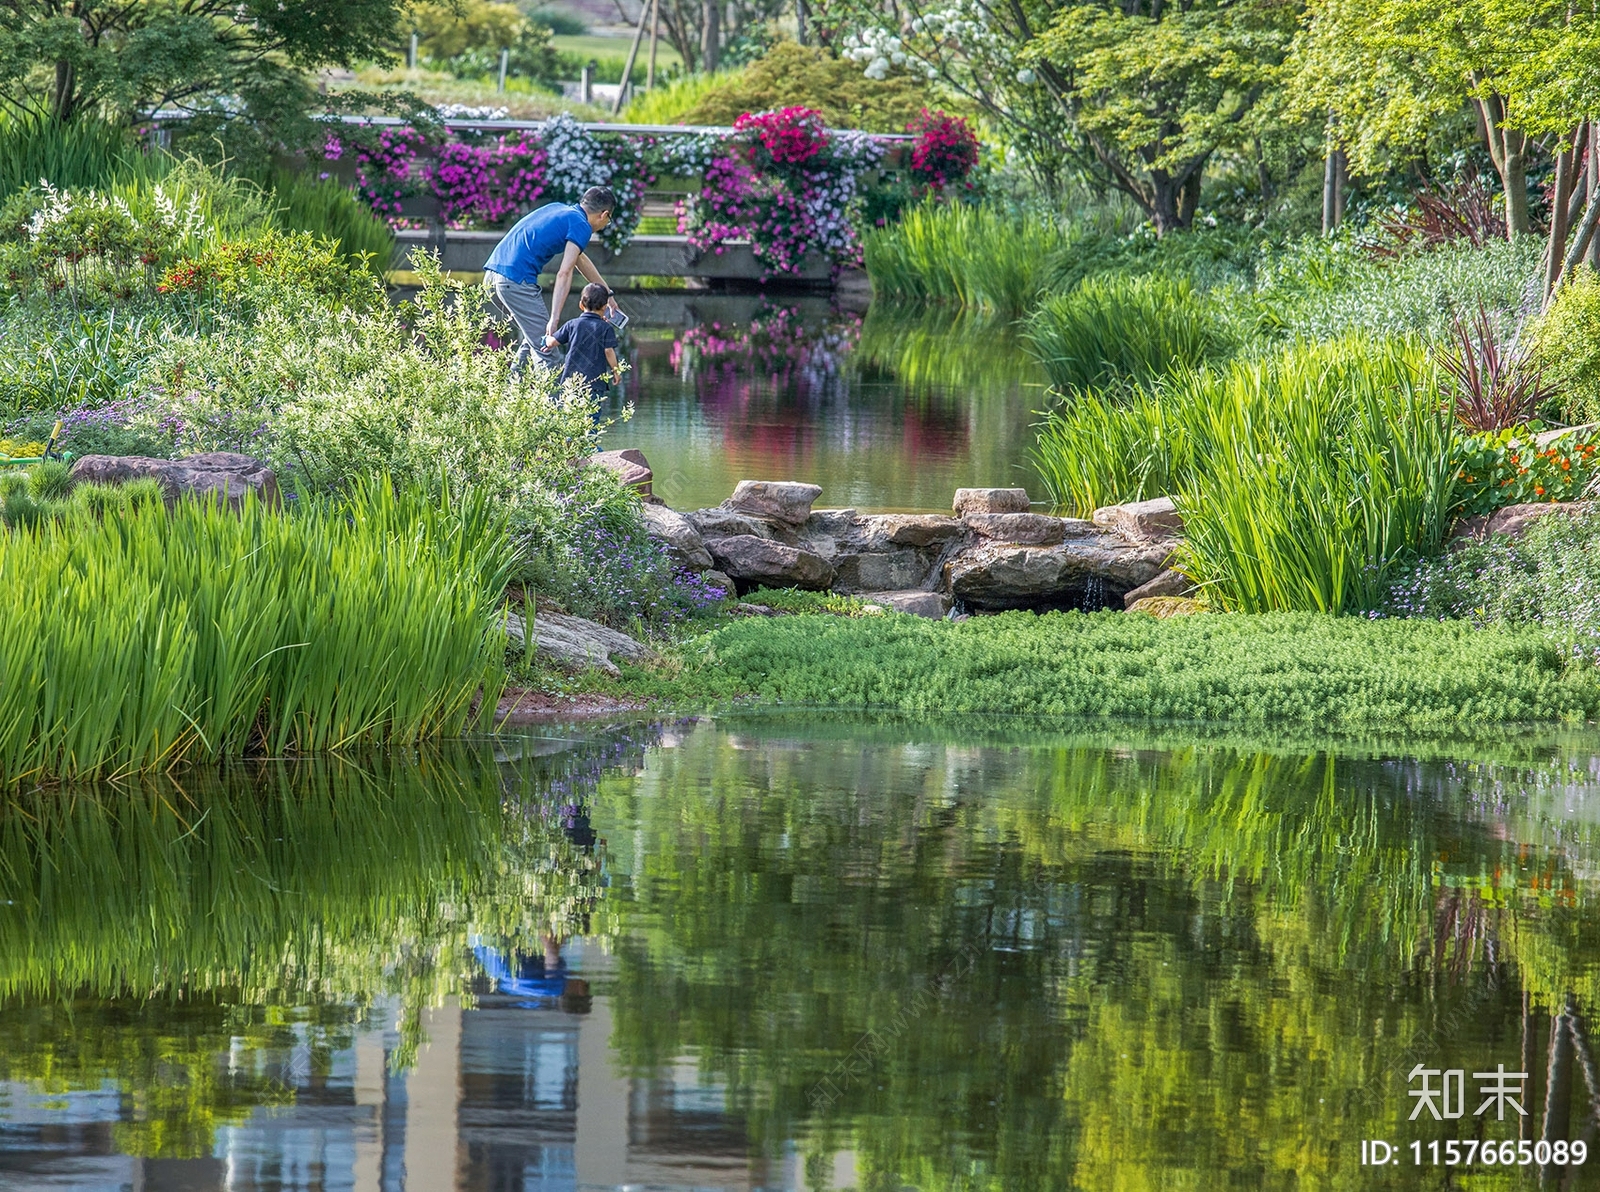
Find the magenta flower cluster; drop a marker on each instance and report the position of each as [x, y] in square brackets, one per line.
[945, 151]
[486, 183]
[786, 185]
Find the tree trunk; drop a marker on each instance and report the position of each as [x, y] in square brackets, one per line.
[1333, 179]
[710, 34]
[1508, 151]
[800, 21]
[1189, 199]
[62, 100]
[1594, 185]
[1568, 180]
[1264, 177]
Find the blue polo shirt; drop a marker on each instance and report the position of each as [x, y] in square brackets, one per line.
[536, 239]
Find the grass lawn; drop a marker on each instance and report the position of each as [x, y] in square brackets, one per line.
[594, 45]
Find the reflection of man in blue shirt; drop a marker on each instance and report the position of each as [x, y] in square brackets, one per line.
[536, 978]
[512, 271]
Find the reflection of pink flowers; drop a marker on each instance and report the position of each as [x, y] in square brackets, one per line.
[775, 339]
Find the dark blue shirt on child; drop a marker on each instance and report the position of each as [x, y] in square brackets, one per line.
[586, 339]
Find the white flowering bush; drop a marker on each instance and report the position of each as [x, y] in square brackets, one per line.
[576, 159]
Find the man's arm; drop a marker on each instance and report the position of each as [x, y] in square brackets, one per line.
[563, 287]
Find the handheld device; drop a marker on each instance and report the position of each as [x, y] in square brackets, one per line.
[617, 318]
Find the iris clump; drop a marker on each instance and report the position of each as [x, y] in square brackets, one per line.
[136, 641]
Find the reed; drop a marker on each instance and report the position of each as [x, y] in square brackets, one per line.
[84, 153]
[327, 209]
[975, 257]
[1116, 330]
[1304, 477]
[152, 637]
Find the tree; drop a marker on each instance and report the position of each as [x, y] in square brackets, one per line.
[1140, 94]
[63, 57]
[1530, 69]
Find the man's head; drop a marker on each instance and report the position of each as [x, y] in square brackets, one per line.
[594, 297]
[598, 203]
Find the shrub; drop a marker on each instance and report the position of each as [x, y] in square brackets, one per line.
[1495, 386]
[791, 75]
[1116, 330]
[945, 151]
[1550, 577]
[1344, 673]
[134, 642]
[1566, 345]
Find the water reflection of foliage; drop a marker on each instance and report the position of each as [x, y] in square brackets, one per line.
[778, 340]
[146, 930]
[1195, 963]
[941, 349]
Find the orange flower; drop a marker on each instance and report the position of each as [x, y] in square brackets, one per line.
[1539, 488]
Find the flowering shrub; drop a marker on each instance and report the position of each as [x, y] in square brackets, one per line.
[577, 159]
[788, 186]
[386, 166]
[1497, 469]
[789, 136]
[945, 150]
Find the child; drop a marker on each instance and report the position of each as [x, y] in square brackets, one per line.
[590, 339]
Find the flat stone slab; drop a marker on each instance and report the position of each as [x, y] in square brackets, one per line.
[991, 500]
[932, 605]
[1026, 529]
[1512, 521]
[782, 500]
[725, 523]
[576, 643]
[224, 474]
[1142, 521]
[1168, 583]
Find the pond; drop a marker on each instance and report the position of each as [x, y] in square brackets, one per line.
[887, 411]
[808, 952]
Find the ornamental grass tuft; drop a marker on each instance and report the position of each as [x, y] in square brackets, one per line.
[138, 641]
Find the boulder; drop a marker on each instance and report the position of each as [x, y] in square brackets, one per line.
[754, 562]
[1512, 521]
[1142, 521]
[223, 474]
[991, 500]
[933, 605]
[1026, 529]
[724, 523]
[890, 570]
[575, 643]
[1168, 583]
[630, 466]
[908, 529]
[781, 500]
[1088, 572]
[683, 542]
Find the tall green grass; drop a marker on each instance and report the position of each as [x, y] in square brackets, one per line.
[1315, 474]
[84, 153]
[976, 257]
[137, 641]
[326, 208]
[1114, 330]
[1304, 477]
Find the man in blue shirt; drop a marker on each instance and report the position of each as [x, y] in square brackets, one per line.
[512, 271]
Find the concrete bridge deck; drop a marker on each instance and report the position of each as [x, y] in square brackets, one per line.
[645, 256]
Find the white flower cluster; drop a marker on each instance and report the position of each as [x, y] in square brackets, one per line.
[462, 111]
[163, 216]
[962, 26]
[879, 50]
[688, 155]
[575, 160]
[833, 201]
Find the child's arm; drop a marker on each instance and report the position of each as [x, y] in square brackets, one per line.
[611, 359]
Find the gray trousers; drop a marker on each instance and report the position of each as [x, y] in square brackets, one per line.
[526, 306]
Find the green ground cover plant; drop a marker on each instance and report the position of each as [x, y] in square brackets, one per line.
[1334, 672]
[1566, 347]
[134, 641]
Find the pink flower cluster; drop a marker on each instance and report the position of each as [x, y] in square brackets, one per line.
[789, 136]
[945, 150]
[486, 182]
[787, 185]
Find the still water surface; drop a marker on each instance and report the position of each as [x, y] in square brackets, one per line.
[890, 411]
[800, 954]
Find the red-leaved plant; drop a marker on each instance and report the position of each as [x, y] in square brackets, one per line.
[945, 150]
[1445, 212]
[1495, 387]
